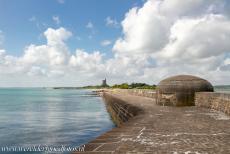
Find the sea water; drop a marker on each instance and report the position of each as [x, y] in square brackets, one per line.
[49, 117]
[223, 89]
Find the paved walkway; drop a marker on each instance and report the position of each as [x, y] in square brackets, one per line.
[175, 130]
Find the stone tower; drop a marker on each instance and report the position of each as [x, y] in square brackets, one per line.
[104, 84]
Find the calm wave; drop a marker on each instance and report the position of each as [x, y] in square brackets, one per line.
[31, 117]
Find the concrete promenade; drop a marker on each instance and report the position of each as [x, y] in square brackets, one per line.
[159, 129]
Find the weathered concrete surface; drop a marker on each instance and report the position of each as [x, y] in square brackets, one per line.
[119, 110]
[162, 129]
[217, 101]
[180, 90]
[137, 92]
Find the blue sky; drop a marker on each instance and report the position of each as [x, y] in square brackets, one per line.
[23, 22]
[80, 42]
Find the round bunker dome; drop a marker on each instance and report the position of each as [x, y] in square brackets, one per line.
[180, 90]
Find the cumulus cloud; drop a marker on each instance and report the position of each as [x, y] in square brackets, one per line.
[159, 39]
[51, 61]
[84, 61]
[36, 71]
[190, 8]
[105, 42]
[57, 37]
[200, 38]
[47, 58]
[145, 30]
[111, 22]
[8, 64]
[225, 65]
[189, 37]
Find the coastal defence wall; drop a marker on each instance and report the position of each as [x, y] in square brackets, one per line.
[120, 111]
[138, 92]
[160, 129]
[152, 128]
[213, 100]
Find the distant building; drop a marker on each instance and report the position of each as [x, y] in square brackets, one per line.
[104, 84]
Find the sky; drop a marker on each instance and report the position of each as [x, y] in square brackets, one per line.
[49, 43]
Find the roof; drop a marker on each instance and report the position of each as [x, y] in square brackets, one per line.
[184, 83]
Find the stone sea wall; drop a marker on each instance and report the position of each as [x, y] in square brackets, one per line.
[138, 92]
[120, 111]
[159, 129]
[213, 100]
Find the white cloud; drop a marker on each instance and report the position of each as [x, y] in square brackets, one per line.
[111, 22]
[56, 19]
[51, 61]
[43, 59]
[58, 36]
[227, 61]
[89, 25]
[200, 38]
[8, 64]
[55, 53]
[159, 39]
[145, 30]
[178, 37]
[36, 71]
[185, 8]
[105, 42]
[84, 61]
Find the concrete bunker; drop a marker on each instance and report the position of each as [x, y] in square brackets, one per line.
[180, 90]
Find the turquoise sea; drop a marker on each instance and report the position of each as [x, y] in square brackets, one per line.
[53, 117]
[48, 117]
[224, 89]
